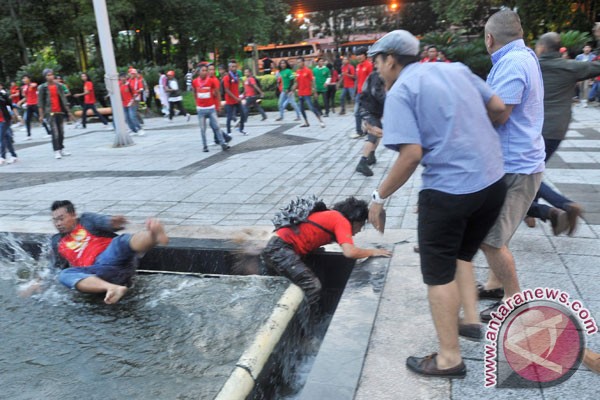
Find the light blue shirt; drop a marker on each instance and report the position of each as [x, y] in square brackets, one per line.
[441, 107]
[517, 78]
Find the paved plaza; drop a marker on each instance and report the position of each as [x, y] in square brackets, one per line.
[235, 193]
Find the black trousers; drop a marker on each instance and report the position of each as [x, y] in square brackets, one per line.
[57, 126]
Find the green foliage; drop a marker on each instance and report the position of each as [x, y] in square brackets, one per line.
[442, 40]
[267, 82]
[35, 69]
[575, 40]
[473, 54]
[466, 13]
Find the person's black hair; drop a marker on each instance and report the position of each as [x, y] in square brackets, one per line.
[403, 60]
[287, 64]
[433, 46]
[353, 210]
[329, 65]
[63, 203]
[88, 76]
[361, 50]
[319, 59]
[300, 59]
[26, 76]
[122, 74]
[221, 66]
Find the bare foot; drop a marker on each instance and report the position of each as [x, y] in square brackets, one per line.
[35, 287]
[158, 231]
[114, 294]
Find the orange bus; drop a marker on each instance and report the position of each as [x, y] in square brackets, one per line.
[289, 52]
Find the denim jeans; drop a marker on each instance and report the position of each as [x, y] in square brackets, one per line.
[594, 93]
[356, 114]
[92, 107]
[252, 102]
[284, 99]
[211, 115]
[131, 119]
[231, 110]
[6, 140]
[312, 108]
[346, 92]
[557, 200]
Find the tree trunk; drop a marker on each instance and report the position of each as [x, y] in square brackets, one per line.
[21, 41]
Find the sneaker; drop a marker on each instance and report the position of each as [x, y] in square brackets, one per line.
[243, 132]
[237, 124]
[343, 112]
[141, 132]
[12, 160]
[371, 158]
[297, 119]
[187, 117]
[279, 119]
[304, 125]
[263, 118]
[57, 155]
[470, 332]
[205, 149]
[28, 138]
[363, 167]
[109, 127]
[64, 153]
[225, 146]
[228, 138]
[322, 124]
[559, 221]
[355, 135]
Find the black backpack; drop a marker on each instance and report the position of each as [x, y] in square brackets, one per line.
[298, 211]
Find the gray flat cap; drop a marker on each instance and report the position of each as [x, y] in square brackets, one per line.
[399, 42]
[47, 71]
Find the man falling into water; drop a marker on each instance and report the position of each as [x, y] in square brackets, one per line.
[94, 259]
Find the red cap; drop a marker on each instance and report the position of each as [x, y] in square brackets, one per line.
[171, 73]
[563, 49]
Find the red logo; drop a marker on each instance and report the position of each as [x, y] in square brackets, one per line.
[543, 344]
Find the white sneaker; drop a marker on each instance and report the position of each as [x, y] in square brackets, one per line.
[12, 160]
[57, 155]
[109, 127]
[187, 117]
[141, 132]
[322, 124]
[354, 135]
[28, 138]
[64, 153]
[2, 161]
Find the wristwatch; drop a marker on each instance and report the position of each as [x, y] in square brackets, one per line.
[375, 198]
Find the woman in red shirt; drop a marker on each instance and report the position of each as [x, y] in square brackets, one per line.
[89, 101]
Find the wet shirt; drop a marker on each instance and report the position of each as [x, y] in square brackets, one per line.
[348, 82]
[30, 93]
[363, 70]
[441, 107]
[231, 82]
[321, 74]
[89, 98]
[204, 92]
[310, 237]
[80, 248]
[286, 78]
[516, 78]
[54, 99]
[304, 78]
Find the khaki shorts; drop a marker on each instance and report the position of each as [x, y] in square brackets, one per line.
[521, 190]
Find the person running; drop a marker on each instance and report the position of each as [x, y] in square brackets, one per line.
[30, 100]
[53, 106]
[233, 101]
[15, 97]
[162, 93]
[89, 102]
[6, 139]
[128, 99]
[287, 95]
[363, 70]
[253, 93]
[304, 83]
[175, 96]
[322, 77]
[348, 83]
[217, 99]
[92, 258]
[206, 91]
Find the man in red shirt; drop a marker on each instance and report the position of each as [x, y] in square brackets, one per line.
[284, 253]
[363, 70]
[348, 82]
[89, 102]
[128, 99]
[206, 92]
[212, 74]
[92, 257]
[53, 106]
[253, 93]
[30, 99]
[304, 83]
[233, 102]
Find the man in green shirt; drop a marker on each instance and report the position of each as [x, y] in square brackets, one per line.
[286, 75]
[322, 76]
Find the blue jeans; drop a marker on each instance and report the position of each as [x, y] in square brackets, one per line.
[231, 110]
[211, 115]
[252, 102]
[92, 107]
[284, 99]
[593, 94]
[356, 114]
[346, 92]
[6, 140]
[131, 119]
[312, 108]
[557, 200]
[114, 265]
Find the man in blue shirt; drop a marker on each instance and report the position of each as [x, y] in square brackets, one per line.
[436, 114]
[517, 78]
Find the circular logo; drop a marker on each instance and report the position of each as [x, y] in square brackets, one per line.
[543, 343]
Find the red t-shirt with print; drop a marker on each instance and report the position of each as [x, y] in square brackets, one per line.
[126, 94]
[311, 237]
[204, 90]
[80, 248]
[54, 99]
[30, 93]
[348, 82]
[304, 79]
[14, 93]
[363, 70]
[89, 98]
[249, 90]
[234, 87]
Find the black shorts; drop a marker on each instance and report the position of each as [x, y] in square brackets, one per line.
[452, 227]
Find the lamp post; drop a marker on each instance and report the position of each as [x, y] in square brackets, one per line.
[111, 77]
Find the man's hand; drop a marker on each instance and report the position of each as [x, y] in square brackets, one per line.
[41, 118]
[118, 222]
[373, 130]
[381, 253]
[377, 216]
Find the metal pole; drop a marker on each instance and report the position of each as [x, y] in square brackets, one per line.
[111, 77]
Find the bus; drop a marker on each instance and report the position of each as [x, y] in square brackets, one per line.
[349, 48]
[288, 52]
